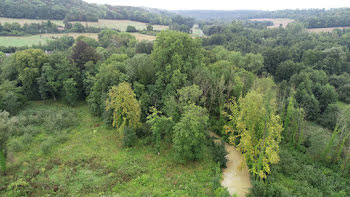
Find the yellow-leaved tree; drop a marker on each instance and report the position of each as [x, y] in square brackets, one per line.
[124, 106]
[256, 127]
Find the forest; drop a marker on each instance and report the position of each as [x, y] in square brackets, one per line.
[121, 117]
[311, 18]
[78, 10]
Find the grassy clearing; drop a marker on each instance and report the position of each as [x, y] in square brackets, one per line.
[276, 21]
[117, 24]
[90, 161]
[196, 31]
[16, 41]
[329, 29]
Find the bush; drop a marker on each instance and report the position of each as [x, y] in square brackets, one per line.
[27, 138]
[129, 137]
[47, 145]
[222, 192]
[130, 28]
[15, 145]
[265, 189]
[219, 153]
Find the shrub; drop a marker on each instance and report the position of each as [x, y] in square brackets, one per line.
[219, 153]
[27, 138]
[222, 192]
[47, 145]
[15, 145]
[129, 137]
[130, 28]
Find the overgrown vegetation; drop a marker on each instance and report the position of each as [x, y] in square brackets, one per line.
[122, 117]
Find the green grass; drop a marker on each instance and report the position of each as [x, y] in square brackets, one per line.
[16, 41]
[90, 161]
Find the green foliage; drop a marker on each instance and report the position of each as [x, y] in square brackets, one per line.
[110, 73]
[130, 28]
[11, 97]
[70, 91]
[175, 57]
[293, 123]
[219, 153]
[126, 109]
[111, 38]
[130, 171]
[129, 137]
[28, 64]
[257, 126]
[161, 127]
[144, 47]
[7, 126]
[189, 133]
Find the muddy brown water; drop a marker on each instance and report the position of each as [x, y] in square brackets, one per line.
[236, 176]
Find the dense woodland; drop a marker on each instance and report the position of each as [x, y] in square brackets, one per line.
[311, 18]
[281, 96]
[78, 10]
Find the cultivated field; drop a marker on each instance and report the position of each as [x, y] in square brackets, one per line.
[19, 41]
[329, 29]
[16, 41]
[117, 24]
[276, 21]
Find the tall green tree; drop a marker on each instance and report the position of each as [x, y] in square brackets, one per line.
[175, 56]
[190, 132]
[124, 106]
[253, 120]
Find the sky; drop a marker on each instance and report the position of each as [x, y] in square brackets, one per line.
[228, 4]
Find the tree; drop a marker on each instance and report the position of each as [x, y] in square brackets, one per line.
[28, 64]
[70, 91]
[340, 132]
[109, 74]
[149, 27]
[175, 56]
[328, 96]
[287, 69]
[190, 132]
[254, 122]
[130, 28]
[83, 53]
[293, 122]
[161, 126]
[124, 106]
[11, 97]
[48, 82]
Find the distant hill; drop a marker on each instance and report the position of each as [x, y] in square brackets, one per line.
[78, 10]
[312, 18]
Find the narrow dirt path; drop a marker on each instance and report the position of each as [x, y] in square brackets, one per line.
[235, 178]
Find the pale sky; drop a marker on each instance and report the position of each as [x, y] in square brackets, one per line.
[228, 4]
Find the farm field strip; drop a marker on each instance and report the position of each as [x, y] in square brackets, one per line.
[102, 23]
[276, 21]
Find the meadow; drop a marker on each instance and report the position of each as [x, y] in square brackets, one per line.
[75, 153]
[285, 21]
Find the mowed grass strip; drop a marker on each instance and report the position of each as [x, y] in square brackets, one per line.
[276, 21]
